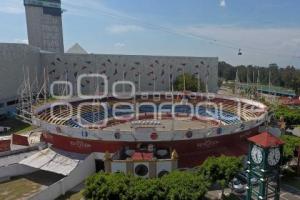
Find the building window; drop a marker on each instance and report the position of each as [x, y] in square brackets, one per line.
[2, 105]
[141, 170]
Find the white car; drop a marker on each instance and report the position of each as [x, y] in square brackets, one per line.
[237, 186]
[243, 176]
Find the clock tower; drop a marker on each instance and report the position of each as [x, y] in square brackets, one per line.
[264, 160]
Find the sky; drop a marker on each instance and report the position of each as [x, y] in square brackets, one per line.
[265, 31]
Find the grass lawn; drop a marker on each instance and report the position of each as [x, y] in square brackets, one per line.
[16, 125]
[71, 196]
[18, 189]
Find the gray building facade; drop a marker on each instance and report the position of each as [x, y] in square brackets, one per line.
[44, 24]
[148, 73]
[44, 58]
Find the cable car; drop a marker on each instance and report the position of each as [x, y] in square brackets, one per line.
[240, 52]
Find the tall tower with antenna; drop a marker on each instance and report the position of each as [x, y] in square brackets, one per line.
[44, 24]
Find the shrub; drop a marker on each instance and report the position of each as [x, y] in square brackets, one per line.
[174, 186]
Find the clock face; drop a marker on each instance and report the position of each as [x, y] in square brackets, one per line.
[256, 154]
[274, 156]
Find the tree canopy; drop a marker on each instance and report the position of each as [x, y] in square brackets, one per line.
[184, 185]
[221, 170]
[288, 77]
[290, 143]
[191, 83]
[291, 115]
[118, 186]
[177, 185]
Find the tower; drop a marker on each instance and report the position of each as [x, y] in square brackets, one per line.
[44, 24]
[264, 159]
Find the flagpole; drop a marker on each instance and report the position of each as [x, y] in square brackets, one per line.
[154, 83]
[172, 108]
[123, 86]
[198, 82]
[183, 79]
[269, 82]
[170, 80]
[140, 80]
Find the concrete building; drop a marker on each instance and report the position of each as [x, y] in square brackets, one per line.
[45, 52]
[44, 24]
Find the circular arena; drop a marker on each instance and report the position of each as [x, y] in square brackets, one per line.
[196, 125]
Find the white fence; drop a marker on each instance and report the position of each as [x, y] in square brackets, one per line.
[83, 170]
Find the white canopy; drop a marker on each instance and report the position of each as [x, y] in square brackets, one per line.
[54, 160]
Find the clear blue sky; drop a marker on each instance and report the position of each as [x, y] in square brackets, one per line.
[266, 31]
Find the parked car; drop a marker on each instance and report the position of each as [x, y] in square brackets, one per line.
[237, 186]
[243, 176]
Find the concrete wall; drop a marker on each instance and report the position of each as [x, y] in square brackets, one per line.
[115, 67]
[15, 170]
[13, 59]
[157, 72]
[77, 176]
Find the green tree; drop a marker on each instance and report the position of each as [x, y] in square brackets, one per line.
[175, 186]
[288, 77]
[290, 115]
[184, 185]
[142, 189]
[107, 186]
[221, 170]
[290, 143]
[191, 83]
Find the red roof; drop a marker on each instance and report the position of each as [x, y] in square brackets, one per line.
[142, 156]
[266, 139]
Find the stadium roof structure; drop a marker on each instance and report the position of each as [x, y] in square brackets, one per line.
[54, 160]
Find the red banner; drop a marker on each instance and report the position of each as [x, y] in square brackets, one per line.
[20, 140]
[5, 145]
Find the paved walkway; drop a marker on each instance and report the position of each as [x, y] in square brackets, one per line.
[289, 193]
